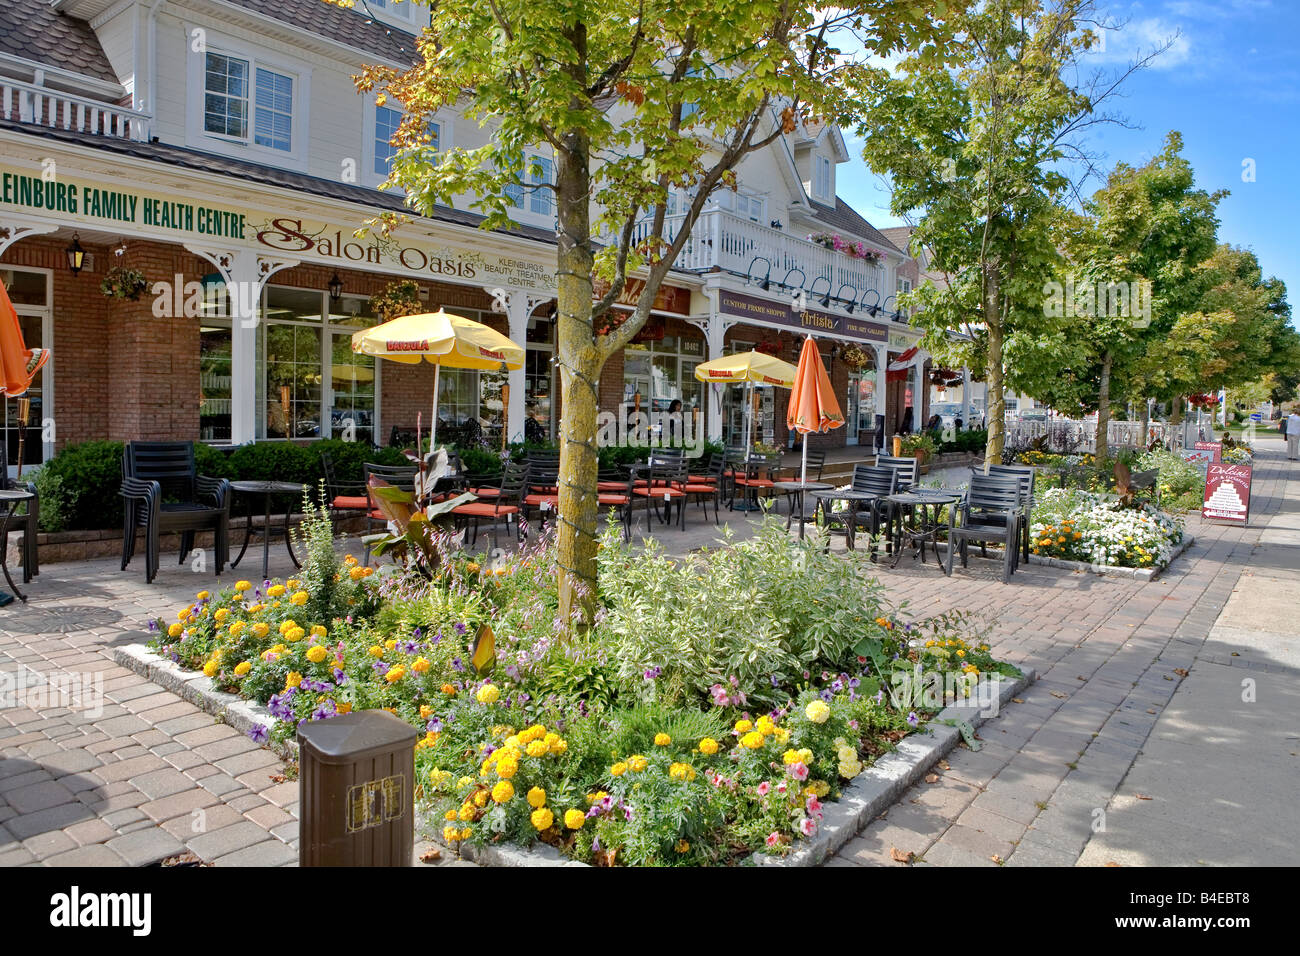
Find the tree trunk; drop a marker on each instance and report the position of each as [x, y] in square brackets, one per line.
[1103, 409]
[580, 364]
[994, 404]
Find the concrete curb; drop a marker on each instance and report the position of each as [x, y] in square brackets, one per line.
[877, 788]
[1140, 574]
[241, 714]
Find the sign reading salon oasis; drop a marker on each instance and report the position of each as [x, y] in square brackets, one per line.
[809, 320]
[76, 202]
[1227, 493]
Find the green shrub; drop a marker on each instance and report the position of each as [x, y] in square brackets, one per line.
[89, 476]
[212, 462]
[275, 461]
[54, 502]
[478, 460]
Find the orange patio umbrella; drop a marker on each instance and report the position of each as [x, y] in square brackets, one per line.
[813, 407]
[18, 364]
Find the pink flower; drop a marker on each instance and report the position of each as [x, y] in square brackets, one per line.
[799, 770]
[773, 838]
[763, 788]
[807, 827]
[781, 788]
[814, 807]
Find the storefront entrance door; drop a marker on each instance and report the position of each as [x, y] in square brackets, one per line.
[29, 290]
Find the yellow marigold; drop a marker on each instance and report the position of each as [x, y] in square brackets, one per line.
[561, 746]
[210, 668]
[488, 694]
[350, 560]
[542, 819]
[507, 768]
[708, 746]
[480, 798]
[683, 846]
[790, 756]
[242, 586]
[765, 726]
[316, 653]
[420, 665]
[753, 740]
[183, 614]
[467, 812]
[295, 634]
[744, 726]
[394, 674]
[222, 614]
[449, 690]
[318, 630]
[299, 598]
[574, 819]
[682, 771]
[504, 790]
[292, 679]
[662, 740]
[242, 668]
[345, 708]
[175, 630]
[261, 629]
[275, 590]
[782, 736]
[357, 573]
[817, 711]
[636, 763]
[202, 595]
[464, 831]
[450, 834]
[537, 748]
[426, 712]
[618, 769]
[536, 798]
[818, 788]
[805, 755]
[375, 651]
[237, 628]
[449, 815]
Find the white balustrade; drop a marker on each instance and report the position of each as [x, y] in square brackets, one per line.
[42, 106]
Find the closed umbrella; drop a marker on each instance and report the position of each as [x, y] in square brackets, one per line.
[751, 368]
[443, 339]
[813, 406]
[18, 363]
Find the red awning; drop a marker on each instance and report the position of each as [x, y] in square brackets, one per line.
[897, 370]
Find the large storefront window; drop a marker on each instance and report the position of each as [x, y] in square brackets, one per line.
[214, 383]
[660, 373]
[29, 290]
[539, 382]
[311, 384]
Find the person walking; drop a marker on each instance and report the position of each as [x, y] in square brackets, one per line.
[1293, 436]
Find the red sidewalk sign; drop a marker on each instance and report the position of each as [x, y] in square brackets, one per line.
[1227, 493]
[1214, 447]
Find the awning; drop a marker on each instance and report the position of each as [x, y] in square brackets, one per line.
[897, 370]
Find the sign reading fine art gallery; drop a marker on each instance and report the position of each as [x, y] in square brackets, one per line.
[1227, 493]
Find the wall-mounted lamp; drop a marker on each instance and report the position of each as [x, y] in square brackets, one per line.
[335, 287]
[76, 255]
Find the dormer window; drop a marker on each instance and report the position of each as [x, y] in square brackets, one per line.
[823, 179]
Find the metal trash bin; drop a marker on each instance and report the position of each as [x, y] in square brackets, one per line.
[356, 781]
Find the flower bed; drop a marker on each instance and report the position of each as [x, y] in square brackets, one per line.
[1075, 525]
[708, 713]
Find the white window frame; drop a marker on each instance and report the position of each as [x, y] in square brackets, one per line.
[399, 13]
[197, 137]
[46, 314]
[368, 143]
[823, 178]
[523, 211]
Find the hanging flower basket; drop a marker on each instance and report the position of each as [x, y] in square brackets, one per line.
[855, 357]
[397, 299]
[770, 347]
[123, 283]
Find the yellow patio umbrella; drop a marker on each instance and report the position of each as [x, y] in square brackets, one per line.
[752, 369]
[443, 339]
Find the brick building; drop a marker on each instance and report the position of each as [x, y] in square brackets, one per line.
[221, 153]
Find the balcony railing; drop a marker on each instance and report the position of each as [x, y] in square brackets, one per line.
[734, 244]
[41, 106]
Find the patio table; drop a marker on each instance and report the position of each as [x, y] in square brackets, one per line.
[918, 528]
[268, 490]
[10, 499]
[855, 499]
[796, 489]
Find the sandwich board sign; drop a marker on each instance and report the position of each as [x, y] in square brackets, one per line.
[1215, 448]
[1227, 493]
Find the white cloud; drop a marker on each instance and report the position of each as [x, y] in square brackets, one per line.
[1138, 38]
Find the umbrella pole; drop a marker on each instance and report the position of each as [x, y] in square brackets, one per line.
[803, 466]
[433, 422]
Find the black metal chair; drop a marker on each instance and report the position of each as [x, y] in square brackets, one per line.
[1026, 476]
[506, 501]
[990, 511]
[907, 468]
[665, 480]
[165, 493]
[346, 498]
[31, 520]
[881, 482]
[399, 476]
[710, 483]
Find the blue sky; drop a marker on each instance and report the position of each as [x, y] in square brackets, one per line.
[1230, 84]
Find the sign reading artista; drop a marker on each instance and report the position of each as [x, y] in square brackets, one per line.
[809, 320]
[1215, 448]
[1227, 493]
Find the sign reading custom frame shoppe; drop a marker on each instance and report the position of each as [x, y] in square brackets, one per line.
[72, 200]
[810, 321]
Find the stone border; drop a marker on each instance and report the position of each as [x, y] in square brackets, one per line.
[870, 794]
[1140, 574]
[192, 686]
[876, 789]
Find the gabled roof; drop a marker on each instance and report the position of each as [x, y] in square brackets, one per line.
[185, 158]
[32, 30]
[900, 236]
[845, 217]
[350, 27]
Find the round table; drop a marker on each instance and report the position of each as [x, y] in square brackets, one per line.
[922, 530]
[854, 499]
[796, 489]
[268, 490]
[10, 499]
